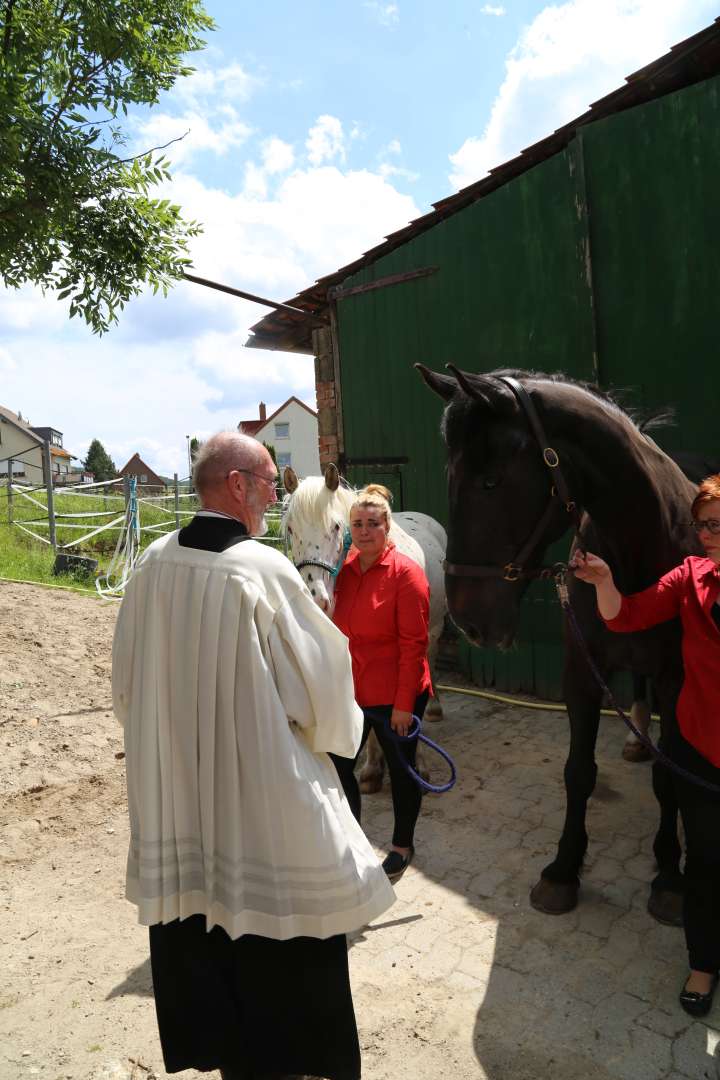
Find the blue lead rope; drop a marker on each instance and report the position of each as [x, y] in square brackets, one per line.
[415, 735]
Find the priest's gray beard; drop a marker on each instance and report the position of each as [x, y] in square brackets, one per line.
[262, 527]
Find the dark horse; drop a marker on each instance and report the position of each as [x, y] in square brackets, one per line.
[635, 506]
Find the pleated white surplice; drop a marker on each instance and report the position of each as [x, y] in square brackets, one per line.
[232, 686]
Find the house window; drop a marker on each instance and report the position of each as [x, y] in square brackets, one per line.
[282, 431]
[56, 438]
[143, 478]
[283, 461]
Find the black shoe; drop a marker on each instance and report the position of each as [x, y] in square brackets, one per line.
[395, 864]
[698, 1004]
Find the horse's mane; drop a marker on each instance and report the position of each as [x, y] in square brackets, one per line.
[643, 419]
[314, 503]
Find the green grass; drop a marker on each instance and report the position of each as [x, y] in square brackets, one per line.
[24, 559]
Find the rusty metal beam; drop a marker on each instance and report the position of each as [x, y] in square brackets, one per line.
[295, 311]
[338, 293]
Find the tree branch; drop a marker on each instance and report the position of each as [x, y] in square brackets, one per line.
[136, 157]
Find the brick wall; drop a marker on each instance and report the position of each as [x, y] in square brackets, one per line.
[328, 445]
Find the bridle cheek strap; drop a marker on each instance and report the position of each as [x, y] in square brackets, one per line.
[515, 570]
[327, 567]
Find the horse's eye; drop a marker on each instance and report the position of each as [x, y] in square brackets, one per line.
[490, 482]
[336, 527]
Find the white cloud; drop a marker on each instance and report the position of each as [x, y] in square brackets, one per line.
[393, 147]
[493, 9]
[228, 133]
[207, 116]
[255, 181]
[386, 14]
[7, 363]
[386, 169]
[278, 156]
[569, 56]
[325, 140]
[231, 83]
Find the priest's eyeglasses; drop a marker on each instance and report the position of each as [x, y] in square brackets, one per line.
[272, 483]
[711, 524]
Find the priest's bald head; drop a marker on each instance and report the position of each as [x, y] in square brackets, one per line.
[236, 475]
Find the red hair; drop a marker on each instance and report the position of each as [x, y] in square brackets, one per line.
[708, 491]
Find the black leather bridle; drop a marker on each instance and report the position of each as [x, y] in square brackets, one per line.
[516, 570]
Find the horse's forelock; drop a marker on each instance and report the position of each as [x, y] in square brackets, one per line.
[316, 506]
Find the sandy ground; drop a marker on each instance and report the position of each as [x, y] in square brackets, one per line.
[461, 979]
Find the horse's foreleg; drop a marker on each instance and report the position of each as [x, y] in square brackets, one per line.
[372, 772]
[558, 888]
[434, 709]
[665, 901]
[633, 749]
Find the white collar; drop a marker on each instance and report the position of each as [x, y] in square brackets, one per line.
[218, 514]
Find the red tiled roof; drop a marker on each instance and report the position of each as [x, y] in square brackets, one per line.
[251, 427]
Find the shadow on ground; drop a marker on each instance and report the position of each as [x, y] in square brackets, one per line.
[591, 994]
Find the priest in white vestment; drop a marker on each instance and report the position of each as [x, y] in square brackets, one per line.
[245, 859]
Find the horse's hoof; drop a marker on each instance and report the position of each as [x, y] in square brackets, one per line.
[635, 751]
[433, 712]
[666, 907]
[371, 784]
[554, 897]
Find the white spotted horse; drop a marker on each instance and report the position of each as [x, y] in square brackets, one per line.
[316, 514]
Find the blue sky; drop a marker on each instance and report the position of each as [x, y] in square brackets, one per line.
[314, 130]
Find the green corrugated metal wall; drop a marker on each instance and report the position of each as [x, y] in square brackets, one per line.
[515, 287]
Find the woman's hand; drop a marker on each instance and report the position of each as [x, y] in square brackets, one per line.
[590, 568]
[400, 721]
[595, 571]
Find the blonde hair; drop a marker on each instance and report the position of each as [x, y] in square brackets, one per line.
[375, 496]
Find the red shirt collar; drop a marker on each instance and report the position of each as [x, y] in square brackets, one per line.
[708, 568]
[353, 558]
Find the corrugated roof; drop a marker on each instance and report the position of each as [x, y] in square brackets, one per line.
[688, 62]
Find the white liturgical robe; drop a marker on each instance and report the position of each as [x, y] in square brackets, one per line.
[232, 685]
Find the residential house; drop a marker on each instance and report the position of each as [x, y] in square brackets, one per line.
[22, 446]
[292, 430]
[148, 480]
[60, 458]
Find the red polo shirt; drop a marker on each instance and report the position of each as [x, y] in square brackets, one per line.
[690, 590]
[384, 613]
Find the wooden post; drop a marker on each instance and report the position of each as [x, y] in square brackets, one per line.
[47, 471]
[10, 493]
[177, 501]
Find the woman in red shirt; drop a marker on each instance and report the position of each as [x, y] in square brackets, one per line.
[382, 605]
[691, 592]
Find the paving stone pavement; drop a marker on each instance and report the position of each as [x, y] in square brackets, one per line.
[501, 991]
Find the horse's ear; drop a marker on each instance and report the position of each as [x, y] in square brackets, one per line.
[290, 480]
[332, 477]
[485, 388]
[442, 385]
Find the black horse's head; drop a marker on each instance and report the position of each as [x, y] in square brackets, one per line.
[500, 490]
